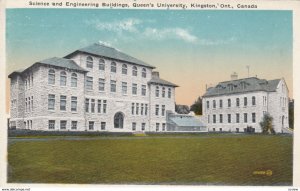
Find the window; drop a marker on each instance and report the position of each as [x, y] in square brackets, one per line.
[92, 105]
[132, 108]
[143, 90]
[101, 64]
[214, 119]
[51, 76]
[156, 109]
[253, 117]
[124, 87]
[87, 104]
[31, 103]
[63, 103]
[89, 62]
[124, 69]
[142, 108]
[245, 101]
[221, 103]
[99, 106]
[74, 80]
[163, 126]
[229, 102]
[229, 118]
[51, 102]
[253, 100]
[134, 89]
[157, 126]
[163, 109]
[133, 126]
[63, 124]
[137, 108]
[143, 126]
[238, 102]
[134, 71]
[245, 118]
[104, 106]
[91, 125]
[101, 84]
[73, 103]
[221, 118]
[237, 118]
[89, 83]
[113, 67]
[74, 125]
[113, 86]
[207, 104]
[214, 104]
[51, 124]
[146, 109]
[144, 74]
[27, 107]
[208, 119]
[63, 78]
[169, 92]
[103, 125]
[163, 92]
[157, 91]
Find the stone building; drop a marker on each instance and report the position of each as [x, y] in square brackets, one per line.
[234, 105]
[96, 88]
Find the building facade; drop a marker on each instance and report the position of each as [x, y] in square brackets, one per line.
[96, 88]
[234, 105]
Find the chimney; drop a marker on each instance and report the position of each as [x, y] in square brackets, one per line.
[155, 74]
[234, 76]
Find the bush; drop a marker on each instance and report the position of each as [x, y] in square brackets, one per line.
[267, 124]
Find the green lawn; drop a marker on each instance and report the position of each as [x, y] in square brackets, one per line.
[230, 160]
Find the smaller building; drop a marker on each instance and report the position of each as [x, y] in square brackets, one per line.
[184, 123]
[240, 104]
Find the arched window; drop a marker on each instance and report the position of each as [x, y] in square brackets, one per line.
[157, 91]
[124, 69]
[74, 80]
[51, 76]
[144, 74]
[163, 93]
[113, 67]
[101, 64]
[63, 78]
[119, 120]
[89, 62]
[253, 100]
[169, 92]
[134, 71]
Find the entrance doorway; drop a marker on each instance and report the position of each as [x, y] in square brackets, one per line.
[119, 120]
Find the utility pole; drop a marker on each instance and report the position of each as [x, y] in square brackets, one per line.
[248, 68]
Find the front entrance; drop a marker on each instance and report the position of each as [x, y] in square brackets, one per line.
[119, 120]
[282, 121]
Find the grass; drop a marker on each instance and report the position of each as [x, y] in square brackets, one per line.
[229, 160]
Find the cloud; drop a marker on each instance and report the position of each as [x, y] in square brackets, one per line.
[128, 25]
[169, 33]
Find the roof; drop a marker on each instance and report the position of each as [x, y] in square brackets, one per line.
[242, 86]
[109, 52]
[58, 62]
[61, 62]
[186, 121]
[157, 80]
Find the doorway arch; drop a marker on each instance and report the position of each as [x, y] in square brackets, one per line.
[119, 120]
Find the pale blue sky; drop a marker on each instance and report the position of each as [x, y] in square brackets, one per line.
[190, 48]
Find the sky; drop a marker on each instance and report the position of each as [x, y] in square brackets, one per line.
[190, 48]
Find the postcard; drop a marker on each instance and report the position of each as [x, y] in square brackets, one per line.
[135, 93]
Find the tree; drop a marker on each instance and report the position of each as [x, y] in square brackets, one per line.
[291, 114]
[197, 106]
[267, 124]
[182, 109]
